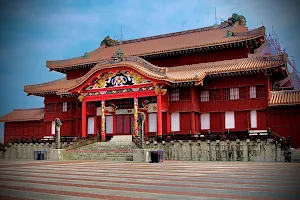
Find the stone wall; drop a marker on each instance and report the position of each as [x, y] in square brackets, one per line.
[295, 155]
[26, 150]
[239, 150]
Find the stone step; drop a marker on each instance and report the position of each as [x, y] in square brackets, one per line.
[109, 145]
[121, 139]
[118, 148]
[102, 156]
[130, 154]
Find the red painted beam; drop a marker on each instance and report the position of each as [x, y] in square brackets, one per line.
[120, 95]
[119, 88]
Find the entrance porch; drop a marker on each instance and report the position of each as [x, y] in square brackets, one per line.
[117, 114]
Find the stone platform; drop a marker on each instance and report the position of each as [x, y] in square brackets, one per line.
[180, 180]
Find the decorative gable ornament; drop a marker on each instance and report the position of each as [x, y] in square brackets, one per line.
[118, 78]
[117, 57]
[86, 55]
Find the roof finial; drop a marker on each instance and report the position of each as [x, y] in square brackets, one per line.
[121, 39]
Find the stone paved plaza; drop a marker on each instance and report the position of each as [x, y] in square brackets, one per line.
[167, 180]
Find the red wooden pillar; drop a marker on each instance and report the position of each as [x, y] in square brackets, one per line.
[159, 116]
[95, 125]
[192, 114]
[114, 123]
[168, 122]
[83, 118]
[146, 123]
[103, 131]
[135, 116]
[76, 128]
[248, 118]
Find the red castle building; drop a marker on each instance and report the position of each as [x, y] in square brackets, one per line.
[211, 80]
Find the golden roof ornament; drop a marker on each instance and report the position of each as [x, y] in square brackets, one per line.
[107, 42]
[80, 98]
[235, 18]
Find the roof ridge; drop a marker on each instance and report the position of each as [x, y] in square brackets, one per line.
[45, 83]
[285, 91]
[207, 28]
[189, 31]
[20, 109]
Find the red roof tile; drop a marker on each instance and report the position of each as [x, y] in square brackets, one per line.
[22, 115]
[164, 43]
[290, 97]
[195, 72]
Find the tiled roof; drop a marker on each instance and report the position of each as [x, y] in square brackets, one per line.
[288, 97]
[187, 72]
[197, 38]
[22, 115]
[60, 85]
[195, 72]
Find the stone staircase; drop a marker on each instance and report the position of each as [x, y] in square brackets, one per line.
[119, 148]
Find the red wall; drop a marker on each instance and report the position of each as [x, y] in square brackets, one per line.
[285, 121]
[241, 118]
[216, 122]
[202, 57]
[185, 122]
[197, 123]
[234, 105]
[164, 122]
[16, 130]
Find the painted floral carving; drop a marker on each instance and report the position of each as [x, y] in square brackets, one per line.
[101, 83]
[119, 78]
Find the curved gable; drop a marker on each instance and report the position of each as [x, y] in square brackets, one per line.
[130, 71]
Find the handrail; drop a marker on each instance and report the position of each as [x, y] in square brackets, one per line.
[281, 139]
[136, 141]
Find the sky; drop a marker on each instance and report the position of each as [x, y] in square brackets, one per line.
[34, 31]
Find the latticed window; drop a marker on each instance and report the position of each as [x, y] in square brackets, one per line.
[226, 94]
[90, 105]
[252, 92]
[184, 93]
[242, 93]
[234, 93]
[149, 99]
[74, 105]
[59, 106]
[65, 107]
[124, 103]
[214, 95]
[174, 94]
[50, 107]
[204, 96]
[260, 91]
